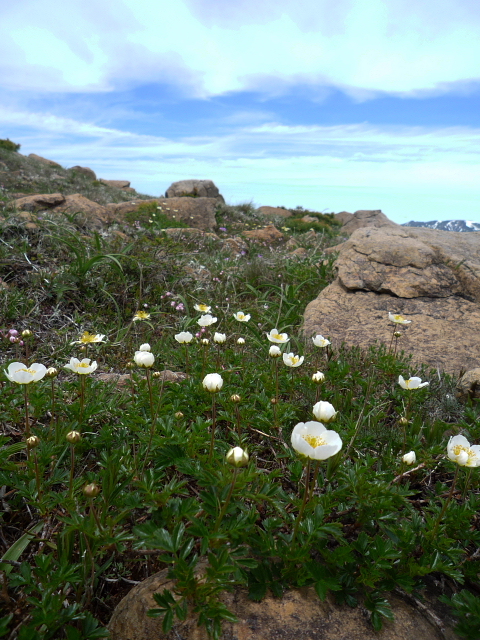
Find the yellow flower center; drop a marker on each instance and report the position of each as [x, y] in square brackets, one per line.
[295, 359]
[32, 372]
[203, 307]
[398, 318]
[143, 315]
[84, 365]
[87, 338]
[277, 336]
[314, 441]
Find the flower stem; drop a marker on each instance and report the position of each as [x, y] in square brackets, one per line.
[227, 501]
[447, 502]
[304, 501]
[214, 420]
[72, 470]
[152, 417]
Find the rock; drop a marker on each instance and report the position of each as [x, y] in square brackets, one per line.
[469, 385]
[119, 184]
[83, 170]
[44, 160]
[275, 211]
[300, 252]
[343, 217]
[194, 188]
[291, 245]
[298, 615]
[309, 219]
[268, 234]
[236, 245]
[432, 277]
[39, 201]
[367, 218]
[90, 214]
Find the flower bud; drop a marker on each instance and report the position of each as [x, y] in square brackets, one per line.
[237, 457]
[235, 398]
[205, 342]
[213, 382]
[144, 359]
[51, 372]
[274, 351]
[318, 377]
[73, 437]
[409, 458]
[91, 490]
[178, 415]
[324, 411]
[403, 421]
[156, 374]
[397, 334]
[32, 442]
[27, 333]
[130, 365]
[241, 341]
[274, 401]
[219, 338]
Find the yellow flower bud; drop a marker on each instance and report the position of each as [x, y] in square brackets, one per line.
[27, 333]
[51, 372]
[235, 397]
[73, 437]
[32, 442]
[91, 490]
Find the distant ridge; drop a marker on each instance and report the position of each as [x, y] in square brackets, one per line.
[446, 225]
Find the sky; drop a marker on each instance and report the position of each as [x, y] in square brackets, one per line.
[357, 104]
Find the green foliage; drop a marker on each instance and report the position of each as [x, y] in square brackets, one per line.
[8, 145]
[368, 525]
[151, 216]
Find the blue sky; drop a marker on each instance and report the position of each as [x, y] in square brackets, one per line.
[361, 104]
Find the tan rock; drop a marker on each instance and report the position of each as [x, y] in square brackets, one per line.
[275, 211]
[236, 245]
[300, 252]
[195, 212]
[291, 244]
[39, 201]
[367, 218]
[44, 160]
[309, 219]
[343, 216]
[430, 276]
[86, 171]
[119, 184]
[469, 385]
[268, 234]
[90, 214]
[195, 189]
[299, 615]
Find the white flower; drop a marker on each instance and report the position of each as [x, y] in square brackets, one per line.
[21, 374]
[82, 367]
[184, 337]
[144, 359]
[145, 347]
[241, 341]
[219, 338]
[460, 451]
[212, 382]
[411, 383]
[292, 360]
[206, 320]
[324, 411]
[312, 439]
[141, 315]
[203, 308]
[318, 377]
[242, 317]
[320, 341]
[409, 458]
[279, 338]
[274, 351]
[89, 338]
[397, 318]
[237, 457]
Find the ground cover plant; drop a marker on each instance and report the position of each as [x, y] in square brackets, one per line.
[106, 479]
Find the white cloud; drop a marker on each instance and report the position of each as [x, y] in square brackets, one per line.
[207, 47]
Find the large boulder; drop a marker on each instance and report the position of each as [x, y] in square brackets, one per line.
[194, 189]
[275, 212]
[39, 201]
[265, 235]
[89, 214]
[50, 163]
[86, 171]
[118, 184]
[430, 276]
[364, 218]
[299, 615]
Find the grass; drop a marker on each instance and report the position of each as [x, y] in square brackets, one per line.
[140, 491]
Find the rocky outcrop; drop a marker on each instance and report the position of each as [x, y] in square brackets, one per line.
[269, 235]
[89, 213]
[298, 615]
[118, 184]
[343, 217]
[86, 171]
[364, 218]
[275, 212]
[194, 189]
[39, 201]
[432, 277]
[34, 156]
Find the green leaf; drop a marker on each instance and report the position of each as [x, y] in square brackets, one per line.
[19, 546]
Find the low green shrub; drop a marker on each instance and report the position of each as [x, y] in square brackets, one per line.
[8, 145]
